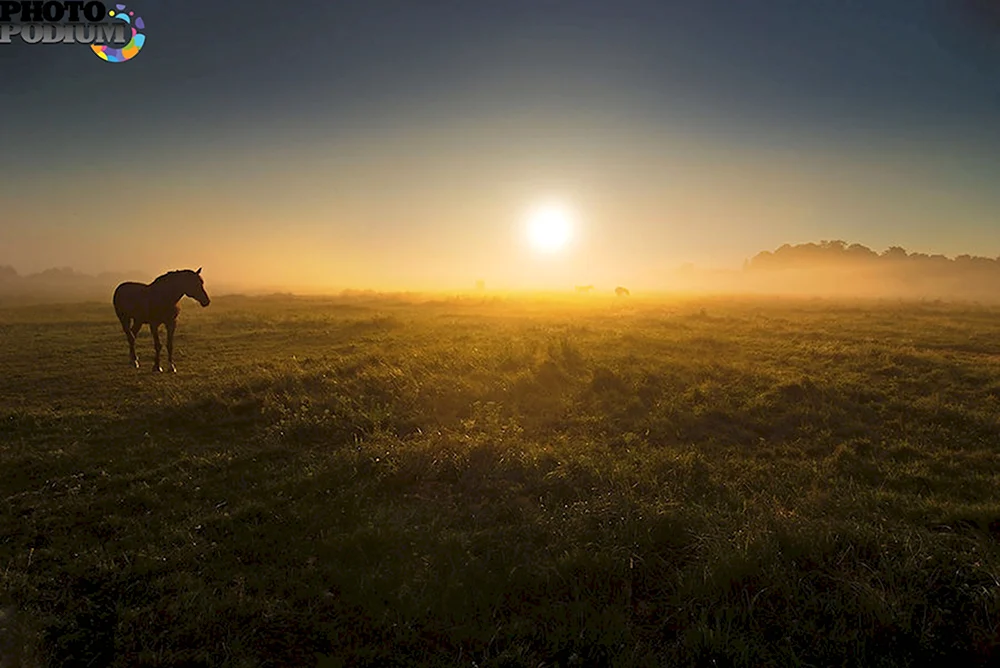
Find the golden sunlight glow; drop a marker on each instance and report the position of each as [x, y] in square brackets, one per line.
[550, 227]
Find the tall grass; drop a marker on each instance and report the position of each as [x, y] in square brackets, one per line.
[355, 481]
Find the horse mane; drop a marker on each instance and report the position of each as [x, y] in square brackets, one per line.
[164, 277]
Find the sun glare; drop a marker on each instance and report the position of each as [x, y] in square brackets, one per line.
[550, 227]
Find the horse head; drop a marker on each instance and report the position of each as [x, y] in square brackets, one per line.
[194, 287]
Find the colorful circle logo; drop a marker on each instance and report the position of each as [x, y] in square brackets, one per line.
[130, 50]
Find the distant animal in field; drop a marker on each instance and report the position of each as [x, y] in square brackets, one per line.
[621, 292]
[584, 289]
[137, 304]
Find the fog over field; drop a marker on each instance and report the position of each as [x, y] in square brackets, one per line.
[824, 269]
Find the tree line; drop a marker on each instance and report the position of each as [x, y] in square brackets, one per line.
[840, 253]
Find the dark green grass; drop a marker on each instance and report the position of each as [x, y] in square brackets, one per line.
[374, 482]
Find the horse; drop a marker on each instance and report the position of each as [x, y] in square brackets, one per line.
[156, 304]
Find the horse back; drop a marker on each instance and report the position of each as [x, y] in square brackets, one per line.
[137, 301]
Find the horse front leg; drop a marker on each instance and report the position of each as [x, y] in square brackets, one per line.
[171, 326]
[155, 328]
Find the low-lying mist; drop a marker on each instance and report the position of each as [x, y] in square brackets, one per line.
[830, 269]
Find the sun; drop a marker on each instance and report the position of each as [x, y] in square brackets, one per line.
[550, 227]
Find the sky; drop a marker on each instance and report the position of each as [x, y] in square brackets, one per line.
[400, 144]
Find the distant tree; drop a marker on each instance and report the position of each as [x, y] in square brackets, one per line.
[910, 273]
[859, 253]
[761, 260]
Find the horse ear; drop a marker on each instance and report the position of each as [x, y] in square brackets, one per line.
[199, 270]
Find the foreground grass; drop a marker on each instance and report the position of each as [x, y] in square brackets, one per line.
[351, 482]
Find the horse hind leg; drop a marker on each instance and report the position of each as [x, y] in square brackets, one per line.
[130, 334]
[136, 326]
[157, 346]
[171, 326]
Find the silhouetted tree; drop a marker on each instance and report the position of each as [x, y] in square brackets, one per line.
[917, 273]
[895, 253]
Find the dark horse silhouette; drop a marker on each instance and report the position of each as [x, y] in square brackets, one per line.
[157, 304]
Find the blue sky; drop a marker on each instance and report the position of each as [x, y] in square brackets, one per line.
[367, 129]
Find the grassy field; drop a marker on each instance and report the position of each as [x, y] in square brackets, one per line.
[373, 481]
